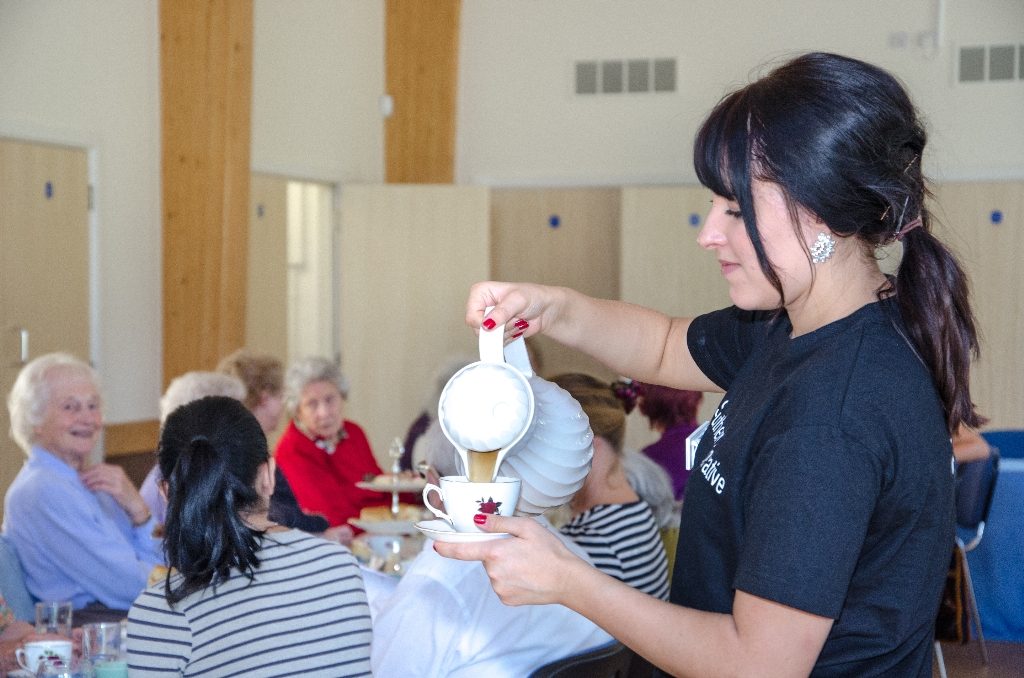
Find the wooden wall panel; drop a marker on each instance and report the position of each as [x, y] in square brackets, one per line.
[582, 252]
[991, 254]
[421, 73]
[408, 256]
[206, 92]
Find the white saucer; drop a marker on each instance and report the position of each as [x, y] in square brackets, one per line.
[390, 527]
[392, 484]
[440, 530]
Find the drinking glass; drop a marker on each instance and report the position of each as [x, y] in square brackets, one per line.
[54, 616]
[102, 642]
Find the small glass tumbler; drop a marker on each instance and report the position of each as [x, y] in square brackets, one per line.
[54, 616]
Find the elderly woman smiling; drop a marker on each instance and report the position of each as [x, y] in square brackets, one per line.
[82, 530]
[322, 454]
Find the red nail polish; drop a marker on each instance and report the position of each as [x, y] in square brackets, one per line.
[479, 519]
[517, 335]
[489, 324]
[521, 324]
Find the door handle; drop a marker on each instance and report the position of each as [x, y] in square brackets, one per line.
[22, 347]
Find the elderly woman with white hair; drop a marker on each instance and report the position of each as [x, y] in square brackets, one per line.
[81, 529]
[322, 454]
[181, 391]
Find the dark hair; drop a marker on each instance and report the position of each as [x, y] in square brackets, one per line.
[601, 405]
[209, 452]
[666, 407]
[842, 139]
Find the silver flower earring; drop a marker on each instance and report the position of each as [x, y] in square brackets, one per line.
[823, 247]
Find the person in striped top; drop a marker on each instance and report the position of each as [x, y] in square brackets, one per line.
[244, 596]
[610, 521]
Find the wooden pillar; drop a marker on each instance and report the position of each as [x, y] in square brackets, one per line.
[421, 72]
[206, 94]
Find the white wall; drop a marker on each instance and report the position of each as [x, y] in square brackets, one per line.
[519, 121]
[86, 74]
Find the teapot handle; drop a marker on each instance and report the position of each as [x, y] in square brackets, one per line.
[492, 349]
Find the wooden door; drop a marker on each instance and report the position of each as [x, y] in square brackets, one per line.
[558, 236]
[983, 222]
[44, 265]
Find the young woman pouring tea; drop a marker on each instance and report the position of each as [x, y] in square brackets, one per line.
[816, 533]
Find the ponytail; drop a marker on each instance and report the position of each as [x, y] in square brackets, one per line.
[933, 295]
[210, 484]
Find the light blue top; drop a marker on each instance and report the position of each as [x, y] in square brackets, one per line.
[75, 544]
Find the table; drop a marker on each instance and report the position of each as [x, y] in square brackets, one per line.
[997, 564]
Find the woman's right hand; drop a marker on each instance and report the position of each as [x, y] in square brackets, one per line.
[522, 307]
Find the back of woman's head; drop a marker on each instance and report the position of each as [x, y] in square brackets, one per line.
[842, 139]
[602, 407]
[209, 453]
[195, 385]
[666, 407]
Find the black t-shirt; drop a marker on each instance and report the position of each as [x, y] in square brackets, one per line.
[823, 483]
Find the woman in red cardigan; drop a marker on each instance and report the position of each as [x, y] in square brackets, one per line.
[322, 455]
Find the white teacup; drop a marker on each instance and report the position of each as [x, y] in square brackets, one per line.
[35, 651]
[463, 500]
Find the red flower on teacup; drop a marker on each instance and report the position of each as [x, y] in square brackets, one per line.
[489, 505]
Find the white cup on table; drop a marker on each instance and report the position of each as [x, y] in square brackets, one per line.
[33, 652]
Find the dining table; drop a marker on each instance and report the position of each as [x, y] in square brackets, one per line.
[997, 563]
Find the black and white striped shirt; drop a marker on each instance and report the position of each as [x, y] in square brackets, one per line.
[623, 540]
[305, 613]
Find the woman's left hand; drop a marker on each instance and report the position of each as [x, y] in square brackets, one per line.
[530, 568]
[112, 479]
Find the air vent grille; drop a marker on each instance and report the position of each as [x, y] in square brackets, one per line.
[631, 76]
[991, 63]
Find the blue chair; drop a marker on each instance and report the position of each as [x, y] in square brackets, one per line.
[12, 583]
[1009, 442]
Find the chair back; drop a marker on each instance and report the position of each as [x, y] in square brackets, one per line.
[975, 485]
[1009, 441]
[12, 583]
[608, 661]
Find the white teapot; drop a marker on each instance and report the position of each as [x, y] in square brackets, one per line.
[500, 416]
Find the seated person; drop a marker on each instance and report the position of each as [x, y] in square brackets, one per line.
[672, 413]
[263, 377]
[81, 529]
[649, 480]
[429, 412]
[184, 389]
[243, 593]
[322, 454]
[610, 521]
[444, 619]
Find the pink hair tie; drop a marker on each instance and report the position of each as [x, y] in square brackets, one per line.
[908, 228]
